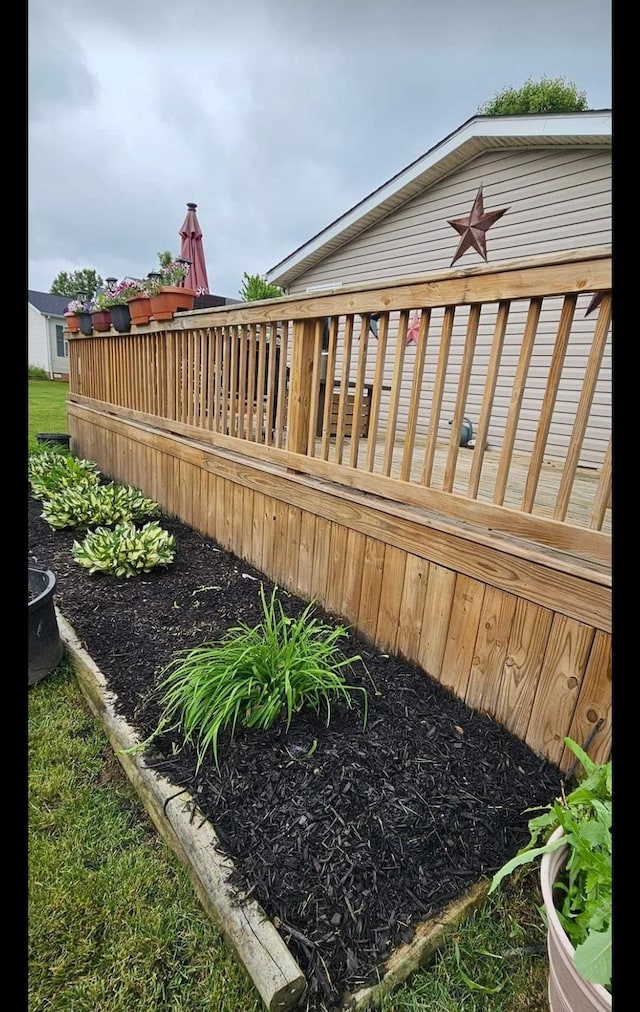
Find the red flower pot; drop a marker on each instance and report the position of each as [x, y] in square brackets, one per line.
[72, 323]
[101, 320]
[171, 299]
[139, 309]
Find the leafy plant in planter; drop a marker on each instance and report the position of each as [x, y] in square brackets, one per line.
[581, 823]
[107, 504]
[115, 299]
[253, 675]
[125, 550]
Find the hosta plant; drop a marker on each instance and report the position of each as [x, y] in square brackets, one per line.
[254, 675]
[125, 550]
[104, 505]
[51, 471]
[585, 884]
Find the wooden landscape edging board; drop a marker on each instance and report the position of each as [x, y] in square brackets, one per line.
[245, 926]
[252, 937]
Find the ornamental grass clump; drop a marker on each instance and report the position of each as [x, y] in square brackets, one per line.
[584, 888]
[52, 471]
[254, 675]
[125, 550]
[104, 505]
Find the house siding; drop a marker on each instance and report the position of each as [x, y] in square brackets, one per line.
[37, 338]
[557, 200]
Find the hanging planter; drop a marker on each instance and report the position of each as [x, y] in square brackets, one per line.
[45, 645]
[121, 318]
[101, 320]
[171, 299]
[72, 323]
[139, 309]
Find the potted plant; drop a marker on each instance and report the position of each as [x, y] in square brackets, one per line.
[100, 313]
[116, 300]
[166, 287]
[82, 312]
[75, 307]
[576, 884]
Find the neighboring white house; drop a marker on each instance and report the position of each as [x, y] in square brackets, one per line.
[48, 349]
[551, 172]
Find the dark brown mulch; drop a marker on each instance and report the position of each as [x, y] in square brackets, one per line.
[347, 837]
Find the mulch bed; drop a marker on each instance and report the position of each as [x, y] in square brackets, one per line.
[346, 837]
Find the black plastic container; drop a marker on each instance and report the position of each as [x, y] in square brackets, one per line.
[45, 645]
[59, 438]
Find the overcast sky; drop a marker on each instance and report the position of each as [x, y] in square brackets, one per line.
[273, 116]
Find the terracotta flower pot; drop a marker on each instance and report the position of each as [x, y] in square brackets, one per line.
[139, 309]
[101, 320]
[121, 318]
[568, 990]
[171, 299]
[72, 323]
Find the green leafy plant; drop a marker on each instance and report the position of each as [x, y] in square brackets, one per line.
[545, 95]
[108, 505]
[172, 271]
[253, 675]
[52, 470]
[125, 550]
[585, 884]
[254, 287]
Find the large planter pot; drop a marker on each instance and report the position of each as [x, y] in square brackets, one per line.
[568, 990]
[121, 318]
[59, 438]
[45, 645]
[139, 309]
[85, 324]
[72, 323]
[171, 299]
[101, 320]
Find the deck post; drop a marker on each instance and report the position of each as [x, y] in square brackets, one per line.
[300, 386]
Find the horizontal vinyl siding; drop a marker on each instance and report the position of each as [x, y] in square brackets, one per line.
[557, 200]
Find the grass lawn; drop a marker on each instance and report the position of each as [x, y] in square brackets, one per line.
[113, 920]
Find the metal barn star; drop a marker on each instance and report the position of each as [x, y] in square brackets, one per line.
[596, 299]
[474, 227]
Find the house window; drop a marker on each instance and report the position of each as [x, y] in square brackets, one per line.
[61, 344]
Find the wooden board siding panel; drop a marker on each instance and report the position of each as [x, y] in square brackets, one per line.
[593, 715]
[393, 574]
[307, 550]
[461, 635]
[292, 551]
[321, 554]
[353, 567]
[490, 651]
[257, 540]
[247, 524]
[556, 698]
[371, 587]
[335, 571]
[414, 595]
[438, 604]
[270, 514]
[518, 683]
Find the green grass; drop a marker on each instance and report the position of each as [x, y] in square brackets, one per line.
[113, 921]
[47, 407]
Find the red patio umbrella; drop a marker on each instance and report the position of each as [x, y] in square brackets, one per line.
[192, 250]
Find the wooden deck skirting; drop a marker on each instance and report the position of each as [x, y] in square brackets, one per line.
[490, 567]
[522, 632]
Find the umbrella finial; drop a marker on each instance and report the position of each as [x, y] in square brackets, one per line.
[191, 206]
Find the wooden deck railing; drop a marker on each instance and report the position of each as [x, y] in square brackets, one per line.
[328, 385]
